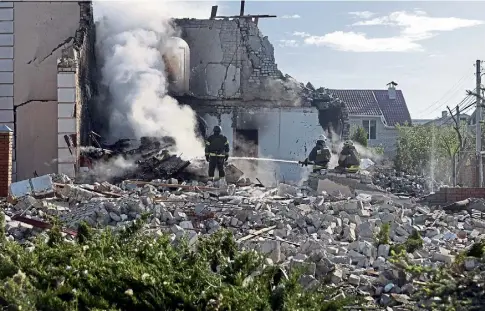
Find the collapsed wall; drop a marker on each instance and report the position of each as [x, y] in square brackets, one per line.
[232, 62]
[234, 82]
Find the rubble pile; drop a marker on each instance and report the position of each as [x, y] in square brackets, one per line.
[401, 183]
[150, 160]
[332, 239]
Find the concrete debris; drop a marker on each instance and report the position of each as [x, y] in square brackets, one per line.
[330, 235]
[402, 184]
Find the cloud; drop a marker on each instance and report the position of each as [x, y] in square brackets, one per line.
[294, 16]
[362, 14]
[288, 43]
[413, 27]
[358, 42]
[301, 34]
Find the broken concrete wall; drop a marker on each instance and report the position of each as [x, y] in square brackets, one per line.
[231, 59]
[286, 133]
[86, 70]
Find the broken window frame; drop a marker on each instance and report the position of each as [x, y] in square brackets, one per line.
[370, 126]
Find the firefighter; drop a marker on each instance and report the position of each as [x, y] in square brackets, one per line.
[216, 152]
[320, 155]
[349, 158]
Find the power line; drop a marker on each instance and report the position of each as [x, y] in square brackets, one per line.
[463, 103]
[453, 89]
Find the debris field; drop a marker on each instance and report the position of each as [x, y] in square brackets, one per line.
[329, 234]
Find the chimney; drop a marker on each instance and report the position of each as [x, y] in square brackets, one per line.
[391, 90]
[444, 114]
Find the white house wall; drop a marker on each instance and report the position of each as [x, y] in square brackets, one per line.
[283, 133]
[41, 30]
[385, 136]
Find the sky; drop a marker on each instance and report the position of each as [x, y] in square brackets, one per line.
[428, 47]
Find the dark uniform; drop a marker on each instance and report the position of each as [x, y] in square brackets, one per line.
[320, 156]
[216, 152]
[349, 156]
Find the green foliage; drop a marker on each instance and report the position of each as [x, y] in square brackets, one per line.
[133, 271]
[413, 243]
[383, 236]
[477, 250]
[359, 135]
[422, 147]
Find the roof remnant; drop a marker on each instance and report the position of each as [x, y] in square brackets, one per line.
[376, 103]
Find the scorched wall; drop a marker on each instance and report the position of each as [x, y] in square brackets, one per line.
[283, 133]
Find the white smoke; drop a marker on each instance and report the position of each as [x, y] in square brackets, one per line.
[131, 39]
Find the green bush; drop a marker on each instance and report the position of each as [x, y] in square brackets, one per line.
[359, 135]
[383, 236]
[133, 271]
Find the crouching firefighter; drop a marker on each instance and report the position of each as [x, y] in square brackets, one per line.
[319, 156]
[216, 152]
[349, 159]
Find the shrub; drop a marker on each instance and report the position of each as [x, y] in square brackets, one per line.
[359, 135]
[133, 271]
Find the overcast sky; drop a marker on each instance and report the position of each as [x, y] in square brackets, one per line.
[429, 48]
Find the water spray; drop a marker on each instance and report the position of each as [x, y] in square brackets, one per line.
[263, 159]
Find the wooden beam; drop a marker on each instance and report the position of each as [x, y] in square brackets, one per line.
[241, 13]
[214, 12]
[248, 16]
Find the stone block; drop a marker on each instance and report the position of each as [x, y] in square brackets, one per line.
[66, 125]
[66, 95]
[6, 65]
[66, 80]
[65, 110]
[6, 14]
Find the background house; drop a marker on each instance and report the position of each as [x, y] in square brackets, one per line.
[378, 112]
[446, 119]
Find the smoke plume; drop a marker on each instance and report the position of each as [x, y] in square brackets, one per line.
[131, 38]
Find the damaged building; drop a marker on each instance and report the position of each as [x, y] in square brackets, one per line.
[234, 82]
[224, 68]
[50, 45]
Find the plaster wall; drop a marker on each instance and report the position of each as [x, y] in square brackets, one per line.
[42, 31]
[283, 133]
[36, 139]
[385, 136]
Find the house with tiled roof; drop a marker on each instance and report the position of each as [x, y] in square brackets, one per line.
[378, 112]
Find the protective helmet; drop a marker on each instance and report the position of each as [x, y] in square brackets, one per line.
[321, 139]
[217, 129]
[348, 143]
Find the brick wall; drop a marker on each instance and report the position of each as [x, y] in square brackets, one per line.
[6, 144]
[450, 195]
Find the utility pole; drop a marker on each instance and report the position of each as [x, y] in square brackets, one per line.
[478, 123]
[456, 156]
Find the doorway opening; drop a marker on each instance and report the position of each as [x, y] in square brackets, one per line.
[246, 143]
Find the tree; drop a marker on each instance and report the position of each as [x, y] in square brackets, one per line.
[359, 135]
[439, 150]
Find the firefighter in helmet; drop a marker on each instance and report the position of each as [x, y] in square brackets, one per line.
[320, 155]
[216, 152]
[349, 158]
